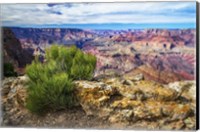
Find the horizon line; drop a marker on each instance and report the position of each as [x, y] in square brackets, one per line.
[112, 26]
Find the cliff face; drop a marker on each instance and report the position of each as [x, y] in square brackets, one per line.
[45, 36]
[13, 52]
[161, 38]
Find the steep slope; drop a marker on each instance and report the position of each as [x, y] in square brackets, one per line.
[13, 52]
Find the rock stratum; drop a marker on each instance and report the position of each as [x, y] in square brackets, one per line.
[112, 103]
[159, 54]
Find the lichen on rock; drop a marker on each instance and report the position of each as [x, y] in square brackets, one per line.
[135, 101]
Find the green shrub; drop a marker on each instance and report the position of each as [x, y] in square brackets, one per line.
[51, 83]
[77, 64]
[54, 92]
[8, 70]
[83, 66]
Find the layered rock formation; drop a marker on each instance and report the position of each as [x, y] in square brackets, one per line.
[43, 37]
[161, 55]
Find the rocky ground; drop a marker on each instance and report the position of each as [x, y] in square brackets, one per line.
[111, 103]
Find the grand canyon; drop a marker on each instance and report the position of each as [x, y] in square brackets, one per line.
[118, 65]
[159, 54]
[136, 70]
[144, 79]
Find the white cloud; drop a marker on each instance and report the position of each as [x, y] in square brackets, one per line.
[151, 12]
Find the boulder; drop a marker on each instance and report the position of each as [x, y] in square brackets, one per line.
[186, 88]
[127, 82]
[93, 96]
[14, 100]
[144, 89]
[141, 101]
[5, 89]
[137, 77]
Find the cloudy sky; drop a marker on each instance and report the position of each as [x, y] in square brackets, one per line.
[163, 13]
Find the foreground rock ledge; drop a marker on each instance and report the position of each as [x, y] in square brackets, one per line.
[123, 103]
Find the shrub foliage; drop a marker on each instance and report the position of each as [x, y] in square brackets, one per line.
[8, 70]
[51, 83]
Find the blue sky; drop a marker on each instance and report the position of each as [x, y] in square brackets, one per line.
[101, 15]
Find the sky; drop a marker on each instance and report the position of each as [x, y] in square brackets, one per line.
[101, 15]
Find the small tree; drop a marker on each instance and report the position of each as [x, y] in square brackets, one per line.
[51, 83]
